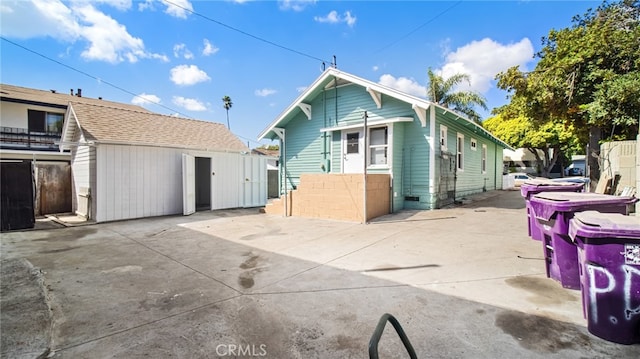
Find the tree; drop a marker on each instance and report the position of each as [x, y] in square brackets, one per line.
[588, 76]
[548, 142]
[227, 104]
[441, 91]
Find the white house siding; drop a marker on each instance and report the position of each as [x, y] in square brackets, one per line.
[83, 173]
[137, 181]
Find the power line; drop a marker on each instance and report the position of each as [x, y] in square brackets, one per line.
[246, 33]
[419, 27]
[106, 82]
[93, 77]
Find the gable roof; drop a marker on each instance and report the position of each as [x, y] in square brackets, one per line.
[49, 98]
[112, 125]
[332, 74]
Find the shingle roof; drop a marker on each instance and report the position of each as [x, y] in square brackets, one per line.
[11, 92]
[100, 123]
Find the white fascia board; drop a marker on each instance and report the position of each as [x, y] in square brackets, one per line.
[369, 124]
[296, 103]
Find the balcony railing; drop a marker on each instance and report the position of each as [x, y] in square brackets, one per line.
[22, 138]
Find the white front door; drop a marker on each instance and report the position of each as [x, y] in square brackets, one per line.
[352, 151]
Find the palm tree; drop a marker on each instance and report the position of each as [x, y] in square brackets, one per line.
[227, 105]
[440, 91]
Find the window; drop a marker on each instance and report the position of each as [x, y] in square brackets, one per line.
[484, 159]
[353, 142]
[460, 152]
[378, 145]
[443, 138]
[40, 121]
[474, 144]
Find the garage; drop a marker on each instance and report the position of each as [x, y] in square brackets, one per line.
[128, 164]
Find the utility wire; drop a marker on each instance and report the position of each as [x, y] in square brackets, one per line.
[418, 28]
[107, 83]
[246, 33]
[93, 77]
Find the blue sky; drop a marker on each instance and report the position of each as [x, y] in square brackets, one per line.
[187, 61]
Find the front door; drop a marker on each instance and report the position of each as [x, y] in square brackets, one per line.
[352, 151]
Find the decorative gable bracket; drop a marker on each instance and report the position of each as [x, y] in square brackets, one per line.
[421, 113]
[306, 108]
[376, 96]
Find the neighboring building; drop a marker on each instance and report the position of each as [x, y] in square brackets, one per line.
[31, 124]
[521, 160]
[430, 154]
[619, 165]
[273, 157]
[131, 164]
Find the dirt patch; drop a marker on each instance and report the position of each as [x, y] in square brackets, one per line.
[541, 334]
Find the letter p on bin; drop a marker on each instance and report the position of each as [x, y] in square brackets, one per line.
[609, 259]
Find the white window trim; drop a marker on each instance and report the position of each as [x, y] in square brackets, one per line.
[483, 164]
[389, 146]
[443, 138]
[460, 152]
[474, 144]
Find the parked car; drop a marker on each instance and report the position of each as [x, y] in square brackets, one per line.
[575, 171]
[519, 178]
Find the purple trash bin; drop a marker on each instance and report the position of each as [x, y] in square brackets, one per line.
[609, 258]
[535, 186]
[552, 212]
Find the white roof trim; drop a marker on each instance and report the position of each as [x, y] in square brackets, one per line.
[376, 96]
[369, 124]
[397, 94]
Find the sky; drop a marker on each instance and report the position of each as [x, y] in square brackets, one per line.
[181, 57]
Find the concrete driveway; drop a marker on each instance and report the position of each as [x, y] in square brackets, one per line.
[464, 282]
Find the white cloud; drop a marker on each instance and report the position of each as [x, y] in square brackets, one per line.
[403, 84]
[264, 92]
[483, 60]
[209, 49]
[180, 50]
[144, 99]
[107, 40]
[301, 88]
[295, 5]
[334, 18]
[54, 19]
[375, 68]
[181, 8]
[146, 5]
[189, 103]
[186, 75]
[121, 5]
[349, 19]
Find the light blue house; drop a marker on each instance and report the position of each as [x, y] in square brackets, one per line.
[432, 154]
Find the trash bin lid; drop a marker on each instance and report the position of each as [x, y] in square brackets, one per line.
[533, 186]
[592, 225]
[546, 204]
